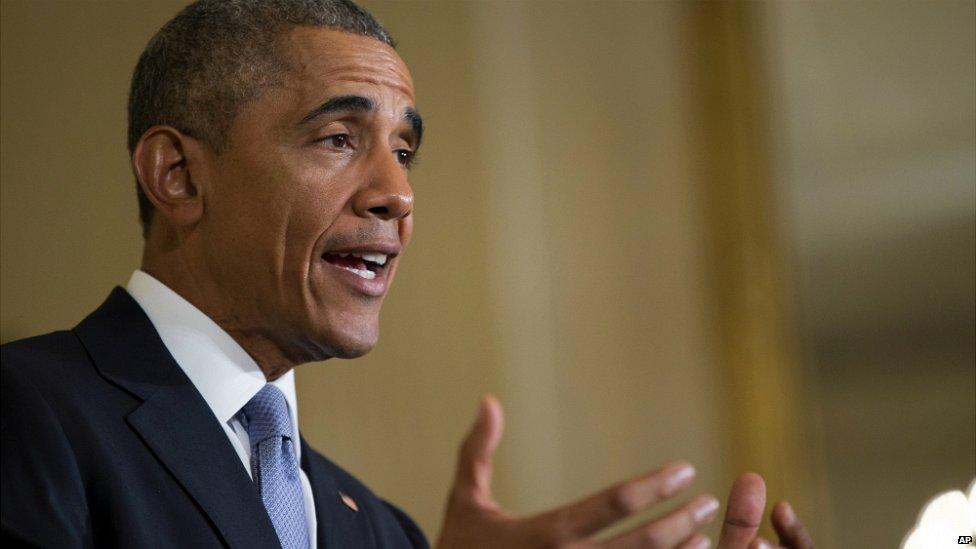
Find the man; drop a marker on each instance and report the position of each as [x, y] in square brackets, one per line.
[271, 142]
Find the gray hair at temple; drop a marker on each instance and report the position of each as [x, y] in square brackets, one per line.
[216, 55]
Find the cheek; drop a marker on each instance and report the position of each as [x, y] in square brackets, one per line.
[316, 202]
[406, 230]
[271, 215]
[280, 200]
[246, 195]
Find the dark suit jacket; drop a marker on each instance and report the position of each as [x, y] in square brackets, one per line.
[107, 443]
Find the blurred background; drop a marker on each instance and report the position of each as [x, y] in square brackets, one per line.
[737, 233]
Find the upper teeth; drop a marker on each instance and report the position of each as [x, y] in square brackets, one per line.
[379, 259]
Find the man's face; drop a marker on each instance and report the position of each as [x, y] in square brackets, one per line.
[308, 208]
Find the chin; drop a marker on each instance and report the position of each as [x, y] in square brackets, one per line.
[351, 351]
[346, 343]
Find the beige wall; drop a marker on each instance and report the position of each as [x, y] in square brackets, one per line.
[557, 262]
[563, 256]
[68, 227]
[877, 156]
[557, 258]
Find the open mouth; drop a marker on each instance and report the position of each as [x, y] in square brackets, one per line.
[366, 265]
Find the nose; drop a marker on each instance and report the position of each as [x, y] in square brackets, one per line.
[387, 195]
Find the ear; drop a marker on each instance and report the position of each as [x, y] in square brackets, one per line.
[161, 164]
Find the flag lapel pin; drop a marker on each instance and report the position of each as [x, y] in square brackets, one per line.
[350, 503]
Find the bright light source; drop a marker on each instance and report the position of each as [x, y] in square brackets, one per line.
[945, 521]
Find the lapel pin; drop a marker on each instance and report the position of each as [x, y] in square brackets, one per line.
[350, 503]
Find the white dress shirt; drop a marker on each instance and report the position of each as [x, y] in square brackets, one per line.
[218, 366]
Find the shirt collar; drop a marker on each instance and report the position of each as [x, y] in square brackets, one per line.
[216, 364]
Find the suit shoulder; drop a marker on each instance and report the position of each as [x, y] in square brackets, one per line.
[56, 365]
[390, 521]
[416, 536]
[44, 502]
[55, 348]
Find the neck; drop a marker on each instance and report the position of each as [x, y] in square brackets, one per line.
[186, 274]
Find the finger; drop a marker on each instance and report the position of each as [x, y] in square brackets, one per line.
[698, 541]
[597, 511]
[747, 500]
[475, 458]
[761, 543]
[791, 532]
[671, 529]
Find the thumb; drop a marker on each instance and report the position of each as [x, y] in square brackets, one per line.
[476, 453]
[747, 502]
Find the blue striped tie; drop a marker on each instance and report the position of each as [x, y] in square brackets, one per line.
[274, 466]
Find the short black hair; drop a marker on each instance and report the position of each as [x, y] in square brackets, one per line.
[216, 55]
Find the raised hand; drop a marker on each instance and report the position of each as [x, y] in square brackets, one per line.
[747, 500]
[474, 519]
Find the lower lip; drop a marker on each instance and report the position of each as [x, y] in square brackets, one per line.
[374, 287]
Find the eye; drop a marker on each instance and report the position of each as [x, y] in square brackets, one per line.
[339, 140]
[405, 157]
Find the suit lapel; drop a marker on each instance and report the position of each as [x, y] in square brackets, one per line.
[174, 420]
[195, 449]
[339, 526]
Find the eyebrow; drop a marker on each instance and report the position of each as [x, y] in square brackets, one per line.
[361, 104]
[416, 124]
[342, 103]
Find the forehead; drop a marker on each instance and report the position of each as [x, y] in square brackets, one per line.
[327, 60]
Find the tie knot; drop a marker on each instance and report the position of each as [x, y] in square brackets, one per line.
[266, 415]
